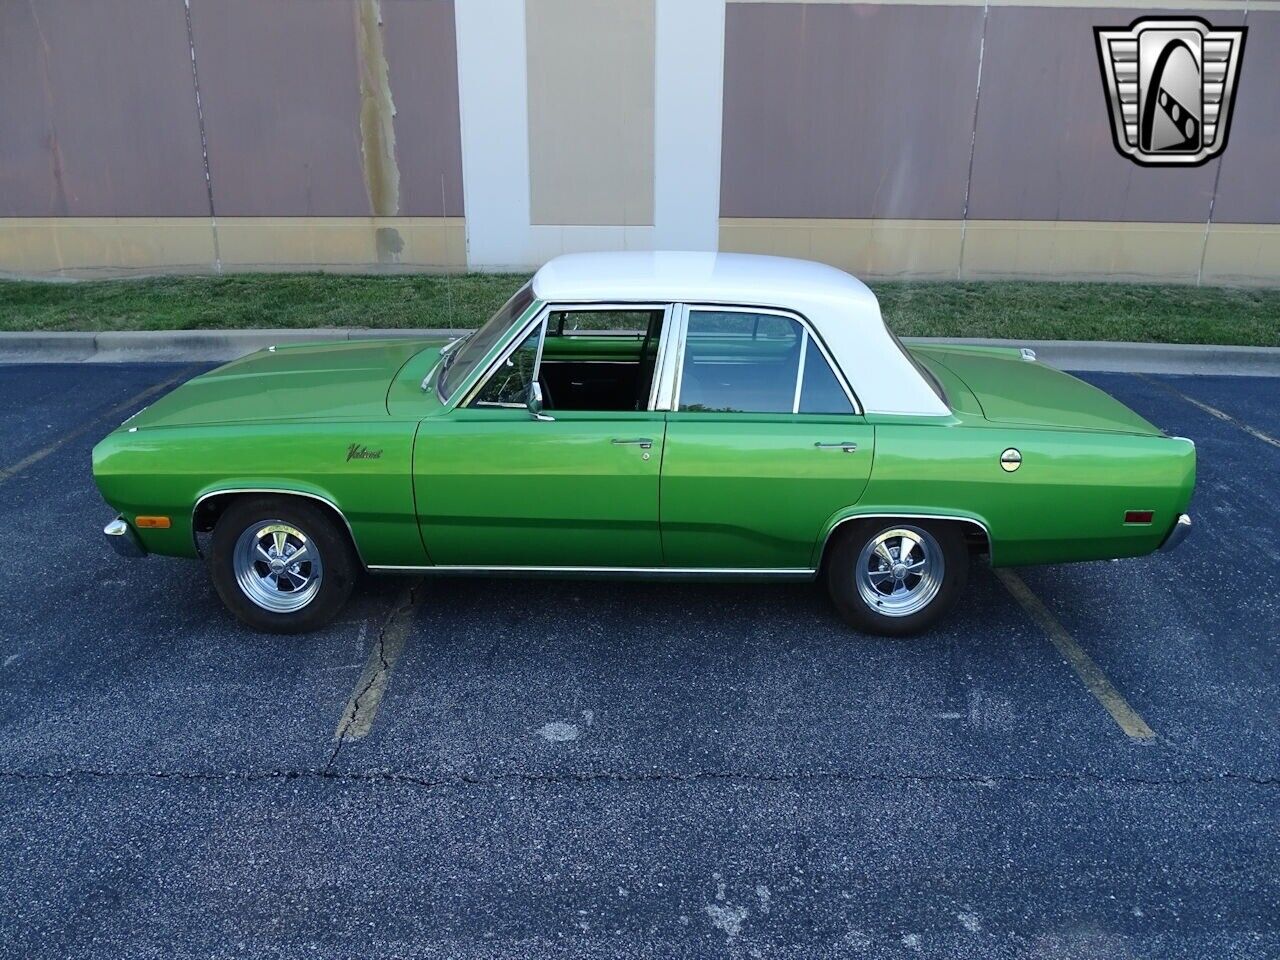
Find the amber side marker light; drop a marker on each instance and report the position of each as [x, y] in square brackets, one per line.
[1130, 516]
[152, 523]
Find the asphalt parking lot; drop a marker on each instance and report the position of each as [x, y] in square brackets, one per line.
[601, 769]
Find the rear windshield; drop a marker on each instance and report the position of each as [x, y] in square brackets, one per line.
[464, 358]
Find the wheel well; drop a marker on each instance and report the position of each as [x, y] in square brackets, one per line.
[976, 537]
[207, 512]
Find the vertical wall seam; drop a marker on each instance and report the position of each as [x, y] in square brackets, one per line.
[204, 142]
[1217, 178]
[973, 139]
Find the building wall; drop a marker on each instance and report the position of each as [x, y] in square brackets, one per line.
[929, 140]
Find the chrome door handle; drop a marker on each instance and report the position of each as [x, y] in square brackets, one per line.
[644, 443]
[846, 446]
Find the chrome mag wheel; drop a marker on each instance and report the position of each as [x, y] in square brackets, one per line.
[277, 566]
[900, 571]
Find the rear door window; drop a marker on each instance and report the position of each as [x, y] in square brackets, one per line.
[737, 362]
[748, 362]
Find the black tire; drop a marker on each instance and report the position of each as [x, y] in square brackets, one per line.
[894, 615]
[333, 576]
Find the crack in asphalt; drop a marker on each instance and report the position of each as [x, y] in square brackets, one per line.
[396, 777]
[375, 679]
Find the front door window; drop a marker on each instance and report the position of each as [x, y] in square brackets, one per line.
[509, 384]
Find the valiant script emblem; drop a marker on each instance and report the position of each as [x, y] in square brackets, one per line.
[358, 451]
[1171, 83]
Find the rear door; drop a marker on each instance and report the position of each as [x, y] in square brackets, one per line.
[764, 442]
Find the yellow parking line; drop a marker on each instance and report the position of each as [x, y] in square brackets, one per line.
[362, 706]
[1090, 673]
[1215, 412]
[33, 458]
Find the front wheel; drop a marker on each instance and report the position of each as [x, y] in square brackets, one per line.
[896, 578]
[281, 565]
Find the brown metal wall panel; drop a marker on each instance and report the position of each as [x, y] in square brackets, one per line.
[97, 111]
[848, 110]
[1247, 189]
[422, 54]
[1043, 148]
[280, 87]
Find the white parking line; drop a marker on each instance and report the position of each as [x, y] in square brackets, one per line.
[1090, 673]
[362, 706]
[1215, 412]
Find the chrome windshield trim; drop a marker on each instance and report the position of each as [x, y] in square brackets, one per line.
[444, 353]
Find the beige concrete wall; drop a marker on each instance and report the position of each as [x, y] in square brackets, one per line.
[591, 111]
[848, 131]
[110, 246]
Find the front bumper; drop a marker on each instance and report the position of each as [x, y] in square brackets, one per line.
[123, 539]
[1178, 533]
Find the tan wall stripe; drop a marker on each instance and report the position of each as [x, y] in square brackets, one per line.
[110, 246]
[931, 249]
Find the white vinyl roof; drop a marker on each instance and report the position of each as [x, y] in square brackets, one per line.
[841, 308]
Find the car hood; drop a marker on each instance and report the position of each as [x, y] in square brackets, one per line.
[1011, 389]
[342, 380]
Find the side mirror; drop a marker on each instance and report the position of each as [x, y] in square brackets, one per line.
[534, 402]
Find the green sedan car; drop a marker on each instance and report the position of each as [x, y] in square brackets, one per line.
[643, 414]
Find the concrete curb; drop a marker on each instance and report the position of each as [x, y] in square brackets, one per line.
[214, 346]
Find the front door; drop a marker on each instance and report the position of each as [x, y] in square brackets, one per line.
[496, 487]
[764, 444]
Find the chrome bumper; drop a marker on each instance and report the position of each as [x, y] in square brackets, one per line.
[123, 540]
[1178, 533]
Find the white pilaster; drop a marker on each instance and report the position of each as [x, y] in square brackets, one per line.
[493, 103]
[688, 116]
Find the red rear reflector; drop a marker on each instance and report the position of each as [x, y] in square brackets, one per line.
[1138, 516]
[152, 523]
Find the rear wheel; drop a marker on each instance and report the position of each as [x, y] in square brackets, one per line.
[896, 578]
[281, 564]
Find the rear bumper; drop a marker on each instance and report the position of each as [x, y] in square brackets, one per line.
[123, 539]
[1178, 533]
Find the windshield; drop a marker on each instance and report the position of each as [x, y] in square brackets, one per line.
[463, 358]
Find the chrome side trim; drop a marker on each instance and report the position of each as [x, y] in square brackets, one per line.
[991, 548]
[672, 361]
[283, 492]
[123, 540]
[1181, 529]
[804, 352]
[798, 572]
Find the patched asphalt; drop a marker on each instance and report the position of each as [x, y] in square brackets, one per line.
[603, 769]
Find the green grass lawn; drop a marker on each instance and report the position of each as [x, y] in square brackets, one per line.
[1032, 311]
